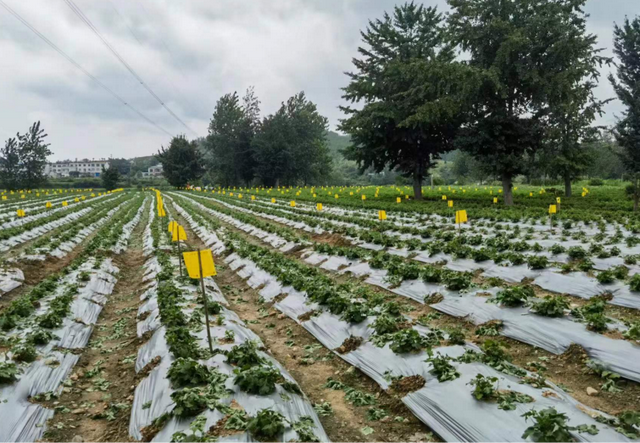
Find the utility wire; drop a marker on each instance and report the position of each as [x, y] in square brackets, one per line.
[91, 26]
[166, 49]
[79, 67]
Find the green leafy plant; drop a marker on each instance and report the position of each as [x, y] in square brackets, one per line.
[407, 340]
[551, 306]
[25, 352]
[244, 355]
[305, 427]
[8, 372]
[188, 372]
[551, 426]
[514, 295]
[259, 380]
[442, 369]
[197, 433]
[266, 424]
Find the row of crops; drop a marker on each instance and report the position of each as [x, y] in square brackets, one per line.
[383, 343]
[420, 306]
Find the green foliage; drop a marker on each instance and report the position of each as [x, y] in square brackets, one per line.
[182, 343]
[551, 426]
[407, 340]
[22, 161]
[181, 162]
[305, 427]
[244, 355]
[40, 337]
[537, 261]
[188, 372]
[192, 401]
[407, 51]
[198, 433]
[25, 352]
[514, 295]
[551, 306]
[8, 372]
[442, 369]
[634, 283]
[266, 424]
[484, 387]
[110, 178]
[259, 380]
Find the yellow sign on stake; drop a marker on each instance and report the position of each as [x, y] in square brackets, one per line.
[398, 200]
[292, 204]
[319, 206]
[20, 212]
[382, 215]
[450, 203]
[179, 234]
[193, 267]
[47, 205]
[552, 209]
[172, 226]
[461, 216]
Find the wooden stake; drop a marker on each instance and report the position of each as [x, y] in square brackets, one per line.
[204, 298]
[179, 253]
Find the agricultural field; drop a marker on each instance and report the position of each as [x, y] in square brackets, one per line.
[336, 313]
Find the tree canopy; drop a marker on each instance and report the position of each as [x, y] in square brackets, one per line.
[110, 178]
[409, 84]
[181, 162]
[23, 159]
[627, 87]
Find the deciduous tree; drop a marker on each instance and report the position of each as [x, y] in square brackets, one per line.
[10, 168]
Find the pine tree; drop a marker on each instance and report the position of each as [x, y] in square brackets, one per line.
[181, 162]
[407, 82]
[626, 44]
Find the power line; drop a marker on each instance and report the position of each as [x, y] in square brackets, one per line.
[166, 49]
[79, 67]
[132, 71]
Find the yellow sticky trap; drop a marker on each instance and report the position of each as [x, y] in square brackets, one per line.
[172, 226]
[495, 200]
[22, 196]
[398, 200]
[382, 215]
[450, 203]
[273, 200]
[76, 199]
[530, 194]
[20, 212]
[553, 209]
[461, 216]
[239, 195]
[47, 205]
[406, 197]
[584, 193]
[558, 200]
[253, 197]
[64, 203]
[336, 196]
[179, 234]
[292, 204]
[4, 197]
[193, 266]
[444, 197]
[319, 206]
[364, 197]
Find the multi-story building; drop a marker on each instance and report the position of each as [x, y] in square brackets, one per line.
[153, 171]
[79, 168]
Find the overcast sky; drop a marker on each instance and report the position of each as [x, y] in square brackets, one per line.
[189, 53]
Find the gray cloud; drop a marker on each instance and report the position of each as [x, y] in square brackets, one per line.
[190, 53]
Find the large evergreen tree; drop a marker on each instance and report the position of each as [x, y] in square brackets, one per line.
[10, 168]
[522, 48]
[181, 162]
[626, 46]
[407, 82]
[110, 178]
[291, 145]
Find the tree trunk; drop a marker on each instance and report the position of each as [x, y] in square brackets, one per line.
[567, 186]
[277, 183]
[417, 184]
[506, 189]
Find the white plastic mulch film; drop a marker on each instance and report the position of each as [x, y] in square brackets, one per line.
[23, 420]
[153, 394]
[446, 407]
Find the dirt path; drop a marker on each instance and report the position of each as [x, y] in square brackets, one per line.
[95, 404]
[311, 364]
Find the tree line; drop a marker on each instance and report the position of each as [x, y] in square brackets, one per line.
[23, 159]
[508, 84]
[241, 148]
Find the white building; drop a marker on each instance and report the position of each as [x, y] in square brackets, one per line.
[84, 168]
[153, 171]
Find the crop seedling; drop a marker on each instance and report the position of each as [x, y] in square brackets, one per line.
[244, 355]
[551, 306]
[514, 295]
[304, 427]
[266, 424]
[8, 372]
[259, 380]
[551, 425]
[442, 369]
[188, 372]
